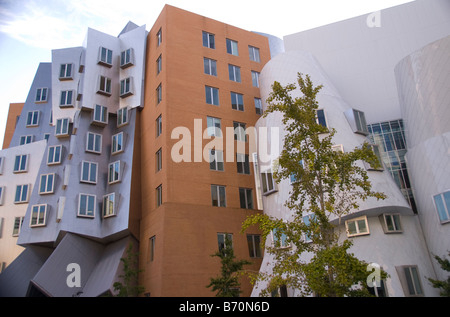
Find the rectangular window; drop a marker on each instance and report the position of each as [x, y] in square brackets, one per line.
[246, 198]
[253, 53]
[108, 208]
[2, 196]
[41, 95]
[33, 118]
[320, 117]
[54, 155]
[243, 163]
[47, 184]
[234, 73]
[126, 87]
[159, 37]
[216, 160]
[21, 163]
[159, 196]
[89, 172]
[66, 99]
[104, 86]
[38, 215]
[413, 283]
[357, 227]
[86, 205]
[268, 184]
[254, 245]
[279, 239]
[94, 143]
[214, 126]
[239, 131]
[210, 66]
[122, 117]
[218, 196]
[17, 226]
[117, 143]
[212, 95]
[222, 238]
[114, 175]
[100, 115]
[65, 72]
[442, 203]
[360, 119]
[376, 151]
[26, 139]
[237, 101]
[258, 106]
[208, 40]
[307, 222]
[391, 223]
[105, 57]
[158, 94]
[159, 126]
[151, 248]
[158, 158]
[21, 195]
[255, 78]
[62, 127]
[159, 65]
[127, 58]
[232, 47]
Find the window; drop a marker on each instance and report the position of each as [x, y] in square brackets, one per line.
[237, 101]
[159, 65]
[307, 222]
[151, 248]
[108, 208]
[239, 131]
[33, 118]
[258, 106]
[243, 164]
[117, 143]
[268, 184]
[208, 40]
[255, 78]
[105, 57]
[46, 185]
[94, 143]
[86, 205]
[65, 72]
[41, 95]
[126, 87]
[223, 238]
[232, 47]
[158, 159]
[21, 194]
[66, 99]
[17, 225]
[2, 196]
[212, 95]
[100, 115]
[442, 203]
[357, 227]
[104, 86]
[46, 136]
[254, 245]
[158, 126]
[158, 94]
[246, 198]
[216, 160]
[410, 280]
[122, 117]
[360, 120]
[159, 196]
[234, 73]
[2, 160]
[218, 196]
[320, 117]
[38, 215]
[279, 239]
[159, 37]
[89, 172]
[254, 53]
[54, 155]
[376, 151]
[62, 127]
[114, 175]
[21, 163]
[214, 126]
[391, 223]
[25, 139]
[127, 58]
[210, 66]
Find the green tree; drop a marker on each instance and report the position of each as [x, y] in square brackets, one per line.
[328, 185]
[443, 285]
[129, 287]
[227, 284]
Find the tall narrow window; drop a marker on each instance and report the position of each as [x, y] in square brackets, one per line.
[254, 245]
[232, 47]
[114, 173]
[246, 198]
[320, 117]
[158, 94]
[360, 119]
[255, 78]
[413, 281]
[234, 73]
[2, 196]
[218, 196]
[21, 163]
[258, 106]
[66, 99]
[159, 37]
[268, 185]
[47, 184]
[117, 143]
[105, 57]
[237, 101]
[38, 215]
[243, 164]
[158, 159]
[108, 207]
[159, 196]
[159, 126]
[254, 53]
[212, 95]
[122, 117]
[208, 40]
[210, 66]
[126, 87]
[86, 205]
[33, 118]
[159, 65]
[239, 131]
[17, 226]
[151, 248]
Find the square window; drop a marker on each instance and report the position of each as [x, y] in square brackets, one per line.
[21, 195]
[114, 175]
[104, 86]
[212, 95]
[65, 72]
[47, 184]
[38, 215]
[237, 101]
[94, 143]
[54, 155]
[246, 198]
[109, 205]
[208, 40]
[117, 143]
[33, 118]
[122, 117]
[357, 227]
[216, 160]
[89, 172]
[218, 196]
[127, 58]
[41, 95]
[66, 99]
[21, 163]
[254, 54]
[232, 47]
[105, 57]
[86, 205]
[62, 127]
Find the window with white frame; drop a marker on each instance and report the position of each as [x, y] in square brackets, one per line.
[243, 163]
[127, 58]
[391, 223]
[41, 95]
[21, 163]
[246, 198]
[218, 196]
[117, 143]
[410, 279]
[33, 118]
[104, 86]
[25, 139]
[232, 47]
[100, 115]
[258, 106]
[54, 155]
[18, 221]
[21, 195]
[214, 127]
[114, 173]
[255, 78]
[122, 117]
[239, 131]
[86, 205]
[89, 172]
[357, 227]
[253, 53]
[38, 215]
[360, 120]
[47, 184]
[268, 183]
[210, 66]
[66, 99]
[105, 56]
[223, 238]
[442, 204]
[212, 95]
[94, 143]
[2, 194]
[216, 160]
[208, 40]
[234, 73]
[65, 72]
[237, 101]
[126, 87]
[62, 127]
[109, 205]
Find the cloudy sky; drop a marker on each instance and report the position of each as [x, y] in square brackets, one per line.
[30, 29]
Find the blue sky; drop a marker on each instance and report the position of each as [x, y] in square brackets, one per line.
[30, 29]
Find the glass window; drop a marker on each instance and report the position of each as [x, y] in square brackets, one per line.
[222, 238]
[114, 175]
[26, 139]
[216, 160]
[94, 143]
[126, 87]
[243, 164]
[237, 101]
[320, 117]
[46, 185]
[254, 53]
[442, 203]
[232, 47]
[33, 118]
[151, 246]
[105, 56]
[54, 154]
[210, 66]
[41, 95]
[65, 71]
[239, 131]
[159, 65]
[62, 127]
[21, 195]
[391, 223]
[279, 239]
[208, 40]
[159, 126]
[268, 184]
[86, 205]
[360, 119]
[159, 37]
[258, 106]
[89, 172]
[159, 196]
[109, 205]
[246, 198]
[100, 114]
[234, 73]
[122, 116]
[255, 79]
[158, 159]
[254, 245]
[218, 196]
[17, 226]
[127, 58]
[214, 126]
[38, 215]
[414, 285]
[2, 196]
[357, 227]
[104, 86]
[117, 143]
[21, 163]
[159, 94]
[212, 95]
